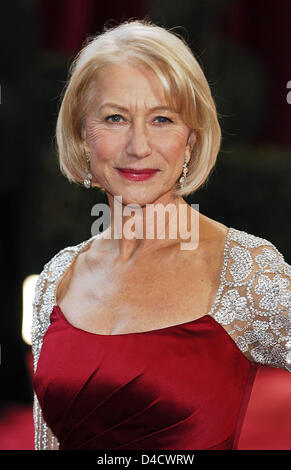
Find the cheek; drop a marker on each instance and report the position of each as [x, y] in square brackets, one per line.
[173, 144]
[102, 143]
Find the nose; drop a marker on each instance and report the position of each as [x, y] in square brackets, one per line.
[138, 142]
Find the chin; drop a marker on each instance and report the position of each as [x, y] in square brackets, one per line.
[133, 199]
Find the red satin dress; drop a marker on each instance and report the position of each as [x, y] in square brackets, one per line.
[183, 387]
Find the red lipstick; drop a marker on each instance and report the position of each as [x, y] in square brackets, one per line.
[133, 174]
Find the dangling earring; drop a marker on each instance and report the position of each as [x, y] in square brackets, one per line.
[88, 177]
[185, 171]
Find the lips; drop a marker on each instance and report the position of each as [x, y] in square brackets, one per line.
[133, 174]
[136, 171]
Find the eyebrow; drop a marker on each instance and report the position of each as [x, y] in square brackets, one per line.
[122, 108]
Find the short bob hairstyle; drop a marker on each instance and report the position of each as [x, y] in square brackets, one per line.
[186, 90]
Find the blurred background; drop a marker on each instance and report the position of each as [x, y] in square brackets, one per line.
[244, 49]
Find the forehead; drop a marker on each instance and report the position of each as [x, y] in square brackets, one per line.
[129, 84]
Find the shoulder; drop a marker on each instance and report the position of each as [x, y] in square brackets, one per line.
[248, 253]
[58, 264]
[254, 301]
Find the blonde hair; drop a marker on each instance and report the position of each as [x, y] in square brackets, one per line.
[185, 86]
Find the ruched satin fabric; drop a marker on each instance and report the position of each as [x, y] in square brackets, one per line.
[181, 387]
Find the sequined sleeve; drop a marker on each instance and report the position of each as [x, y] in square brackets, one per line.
[43, 303]
[254, 299]
[43, 436]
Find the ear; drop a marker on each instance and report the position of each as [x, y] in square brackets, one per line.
[85, 145]
[191, 140]
[84, 136]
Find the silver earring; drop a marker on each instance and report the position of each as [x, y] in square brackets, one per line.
[185, 171]
[88, 177]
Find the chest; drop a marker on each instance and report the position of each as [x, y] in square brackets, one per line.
[114, 299]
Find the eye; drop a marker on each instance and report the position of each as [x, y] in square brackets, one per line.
[115, 118]
[163, 119]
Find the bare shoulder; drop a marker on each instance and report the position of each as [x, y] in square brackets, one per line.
[211, 232]
[76, 269]
[96, 256]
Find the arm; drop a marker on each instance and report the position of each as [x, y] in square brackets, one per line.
[44, 300]
[254, 304]
[43, 436]
[268, 336]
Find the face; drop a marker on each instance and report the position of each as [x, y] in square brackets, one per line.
[130, 126]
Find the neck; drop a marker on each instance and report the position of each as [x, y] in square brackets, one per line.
[135, 229]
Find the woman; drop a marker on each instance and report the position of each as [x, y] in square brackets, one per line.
[137, 343]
